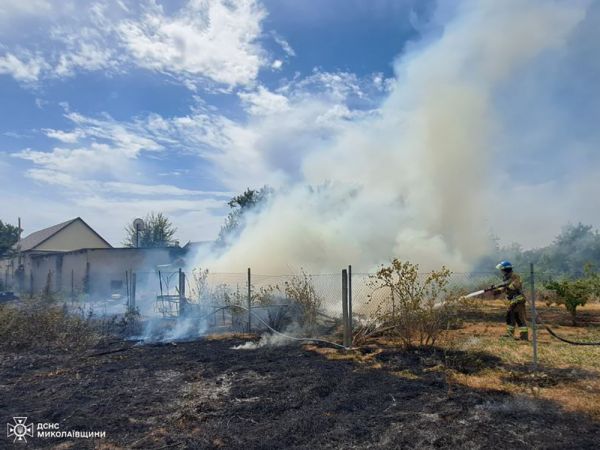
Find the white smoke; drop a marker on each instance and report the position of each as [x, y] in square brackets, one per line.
[266, 340]
[412, 180]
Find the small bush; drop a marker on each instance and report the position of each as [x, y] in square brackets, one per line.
[199, 285]
[130, 324]
[301, 293]
[414, 308]
[575, 293]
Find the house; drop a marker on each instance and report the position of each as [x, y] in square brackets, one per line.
[71, 258]
[73, 234]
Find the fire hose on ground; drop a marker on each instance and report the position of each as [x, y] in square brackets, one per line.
[538, 320]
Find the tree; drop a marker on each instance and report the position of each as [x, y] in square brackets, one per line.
[9, 235]
[250, 199]
[577, 292]
[575, 246]
[158, 232]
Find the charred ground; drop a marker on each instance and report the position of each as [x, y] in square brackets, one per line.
[204, 394]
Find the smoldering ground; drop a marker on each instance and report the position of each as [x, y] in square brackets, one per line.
[204, 394]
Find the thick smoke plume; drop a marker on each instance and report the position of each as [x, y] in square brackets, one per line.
[418, 179]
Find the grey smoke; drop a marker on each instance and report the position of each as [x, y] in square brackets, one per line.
[439, 165]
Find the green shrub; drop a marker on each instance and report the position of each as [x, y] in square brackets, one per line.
[576, 292]
[415, 308]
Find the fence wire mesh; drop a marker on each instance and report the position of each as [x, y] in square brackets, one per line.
[305, 304]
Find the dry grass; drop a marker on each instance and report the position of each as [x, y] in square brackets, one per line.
[567, 374]
[229, 336]
[347, 355]
[41, 325]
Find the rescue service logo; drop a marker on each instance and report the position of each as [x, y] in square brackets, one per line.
[19, 429]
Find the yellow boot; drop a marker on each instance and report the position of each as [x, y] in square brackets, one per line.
[510, 332]
[523, 334]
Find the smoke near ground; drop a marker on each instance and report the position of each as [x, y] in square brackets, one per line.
[452, 154]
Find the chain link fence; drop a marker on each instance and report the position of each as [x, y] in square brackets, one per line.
[298, 304]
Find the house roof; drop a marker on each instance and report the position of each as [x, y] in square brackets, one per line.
[38, 237]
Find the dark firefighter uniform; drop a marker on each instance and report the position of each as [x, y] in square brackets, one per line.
[512, 286]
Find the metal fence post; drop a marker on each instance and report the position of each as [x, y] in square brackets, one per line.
[86, 279]
[533, 318]
[182, 300]
[249, 301]
[127, 289]
[345, 306]
[133, 286]
[350, 305]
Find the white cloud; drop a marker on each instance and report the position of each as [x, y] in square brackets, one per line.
[128, 138]
[214, 39]
[204, 42]
[285, 46]
[95, 158]
[104, 146]
[40, 103]
[11, 9]
[89, 186]
[85, 56]
[25, 68]
[147, 189]
[264, 102]
[63, 136]
[98, 169]
[283, 127]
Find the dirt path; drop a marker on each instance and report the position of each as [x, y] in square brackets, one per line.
[205, 394]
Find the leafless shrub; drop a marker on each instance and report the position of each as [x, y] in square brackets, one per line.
[300, 291]
[266, 295]
[130, 324]
[199, 285]
[277, 317]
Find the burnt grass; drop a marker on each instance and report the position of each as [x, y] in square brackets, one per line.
[205, 394]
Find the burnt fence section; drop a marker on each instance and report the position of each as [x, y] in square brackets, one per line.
[301, 304]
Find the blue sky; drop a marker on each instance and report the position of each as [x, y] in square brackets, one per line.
[68, 82]
[114, 108]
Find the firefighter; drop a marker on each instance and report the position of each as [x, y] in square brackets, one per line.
[512, 286]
